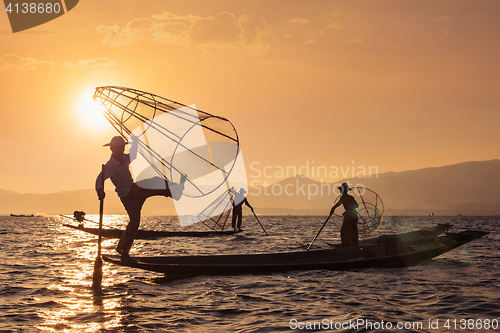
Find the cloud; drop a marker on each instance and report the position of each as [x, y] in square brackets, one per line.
[359, 40]
[101, 65]
[446, 33]
[335, 25]
[441, 18]
[12, 61]
[15, 62]
[254, 31]
[300, 20]
[223, 30]
[390, 42]
[312, 36]
[135, 30]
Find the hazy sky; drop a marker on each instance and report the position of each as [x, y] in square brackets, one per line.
[394, 84]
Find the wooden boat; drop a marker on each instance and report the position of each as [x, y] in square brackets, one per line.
[389, 251]
[15, 215]
[146, 234]
[409, 238]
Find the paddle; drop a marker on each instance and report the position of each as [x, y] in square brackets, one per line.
[319, 231]
[258, 220]
[97, 277]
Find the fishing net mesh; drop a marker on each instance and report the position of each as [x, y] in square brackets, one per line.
[175, 140]
[370, 210]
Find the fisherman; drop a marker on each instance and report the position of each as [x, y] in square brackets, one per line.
[238, 200]
[349, 230]
[131, 195]
[80, 217]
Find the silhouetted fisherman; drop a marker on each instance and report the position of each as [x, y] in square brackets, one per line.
[79, 216]
[238, 200]
[349, 230]
[131, 195]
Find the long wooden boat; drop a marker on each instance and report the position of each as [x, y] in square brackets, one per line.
[147, 234]
[389, 252]
[409, 238]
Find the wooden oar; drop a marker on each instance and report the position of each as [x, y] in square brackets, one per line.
[258, 221]
[97, 277]
[319, 231]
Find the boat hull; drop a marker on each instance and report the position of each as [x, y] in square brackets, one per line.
[147, 234]
[383, 255]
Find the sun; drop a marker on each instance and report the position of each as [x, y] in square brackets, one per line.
[89, 112]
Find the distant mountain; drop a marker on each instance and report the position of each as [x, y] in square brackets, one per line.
[67, 202]
[471, 188]
[4, 192]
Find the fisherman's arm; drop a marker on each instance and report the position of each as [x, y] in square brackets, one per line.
[100, 191]
[133, 147]
[335, 206]
[99, 181]
[246, 203]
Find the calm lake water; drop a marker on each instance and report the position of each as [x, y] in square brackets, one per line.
[46, 275]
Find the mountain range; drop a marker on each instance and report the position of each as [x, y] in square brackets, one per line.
[469, 188]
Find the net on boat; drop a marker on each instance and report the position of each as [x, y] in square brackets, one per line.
[170, 139]
[370, 210]
[215, 215]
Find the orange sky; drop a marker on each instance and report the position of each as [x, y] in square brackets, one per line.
[394, 84]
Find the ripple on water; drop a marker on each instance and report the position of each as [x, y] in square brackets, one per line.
[45, 281]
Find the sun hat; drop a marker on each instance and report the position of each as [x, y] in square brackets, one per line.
[344, 186]
[116, 141]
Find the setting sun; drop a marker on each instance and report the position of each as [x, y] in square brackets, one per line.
[90, 112]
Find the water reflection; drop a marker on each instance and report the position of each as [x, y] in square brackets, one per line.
[46, 277]
[80, 314]
[78, 308]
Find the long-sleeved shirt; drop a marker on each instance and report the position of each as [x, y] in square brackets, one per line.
[119, 174]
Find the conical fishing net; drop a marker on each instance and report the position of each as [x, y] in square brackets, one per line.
[215, 215]
[370, 210]
[169, 140]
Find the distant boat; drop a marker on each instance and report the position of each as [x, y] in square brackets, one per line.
[14, 215]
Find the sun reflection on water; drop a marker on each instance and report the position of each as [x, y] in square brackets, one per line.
[81, 314]
[77, 308]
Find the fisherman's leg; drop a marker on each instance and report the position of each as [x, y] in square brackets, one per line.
[355, 234]
[145, 193]
[240, 217]
[344, 234]
[133, 206]
[233, 219]
[171, 190]
[176, 190]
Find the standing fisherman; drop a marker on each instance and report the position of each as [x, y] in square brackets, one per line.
[349, 230]
[131, 195]
[238, 200]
